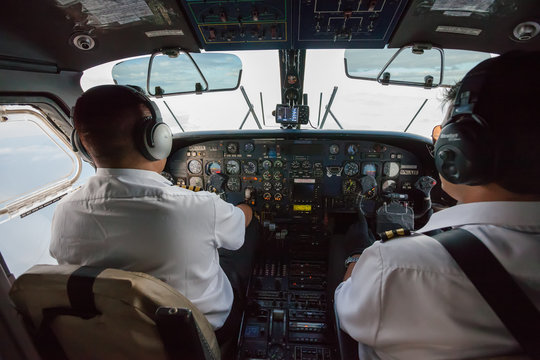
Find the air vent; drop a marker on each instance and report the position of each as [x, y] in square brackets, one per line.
[526, 31]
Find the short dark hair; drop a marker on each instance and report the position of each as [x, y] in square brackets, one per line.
[449, 94]
[107, 119]
[508, 102]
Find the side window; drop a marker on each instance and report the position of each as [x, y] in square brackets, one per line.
[37, 168]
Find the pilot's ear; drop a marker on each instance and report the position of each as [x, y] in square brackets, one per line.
[435, 133]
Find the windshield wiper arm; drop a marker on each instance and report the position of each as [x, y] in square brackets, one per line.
[328, 111]
[174, 117]
[250, 111]
[415, 115]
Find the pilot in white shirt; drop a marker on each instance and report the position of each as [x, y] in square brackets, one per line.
[128, 216]
[407, 298]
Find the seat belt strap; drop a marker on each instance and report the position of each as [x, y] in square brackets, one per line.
[497, 287]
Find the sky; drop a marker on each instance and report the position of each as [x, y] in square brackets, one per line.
[32, 161]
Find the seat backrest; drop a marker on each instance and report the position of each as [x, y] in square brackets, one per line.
[95, 313]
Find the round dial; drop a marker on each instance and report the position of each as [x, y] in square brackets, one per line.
[232, 167]
[295, 164]
[195, 167]
[232, 148]
[391, 169]
[389, 186]
[318, 165]
[250, 168]
[278, 197]
[278, 175]
[267, 186]
[352, 149]
[369, 186]
[215, 183]
[266, 164]
[333, 149]
[249, 147]
[266, 175]
[349, 187]
[234, 184]
[278, 164]
[213, 167]
[306, 164]
[196, 181]
[369, 169]
[350, 168]
[267, 196]
[278, 186]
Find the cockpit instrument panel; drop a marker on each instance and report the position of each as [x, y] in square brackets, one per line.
[300, 178]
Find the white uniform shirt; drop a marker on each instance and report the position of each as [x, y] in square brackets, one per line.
[134, 220]
[408, 299]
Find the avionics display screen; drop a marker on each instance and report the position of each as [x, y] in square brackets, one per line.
[303, 191]
[286, 115]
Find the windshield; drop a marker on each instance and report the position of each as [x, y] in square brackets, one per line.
[357, 104]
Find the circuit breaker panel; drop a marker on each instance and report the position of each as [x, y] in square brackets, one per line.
[288, 24]
[241, 25]
[345, 23]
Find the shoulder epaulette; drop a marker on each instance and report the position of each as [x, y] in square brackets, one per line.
[390, 234]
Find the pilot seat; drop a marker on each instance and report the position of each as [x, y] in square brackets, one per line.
[76, 312]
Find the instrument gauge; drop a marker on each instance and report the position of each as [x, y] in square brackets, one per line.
[267, 186]
[278, 196]
[249, 147]
[369, 169]
[278, 186]
[196, 181]
[369, 186]
[250, 168]
[306, 164]
[350, 168]
[232, 148]
[266, 164]
[213, 167]
[352, 149]
[195, 167]
[295, 164]
[349, 187]
[267, 196]
[391, 169]
[389, 186]
[278, 164]
[232, 167]
[278, 175]
[267, 175]
[234, 184]
[333, 149]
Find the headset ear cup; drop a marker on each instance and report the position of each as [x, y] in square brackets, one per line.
[157, 140]
[77, 146]
[462, 155]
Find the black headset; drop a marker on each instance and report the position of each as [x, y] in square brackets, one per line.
[465, 152]
[155, 139]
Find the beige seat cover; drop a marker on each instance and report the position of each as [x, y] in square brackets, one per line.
[127, 302]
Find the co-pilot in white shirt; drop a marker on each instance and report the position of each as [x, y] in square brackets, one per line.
[408, 299]
[134, 220]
